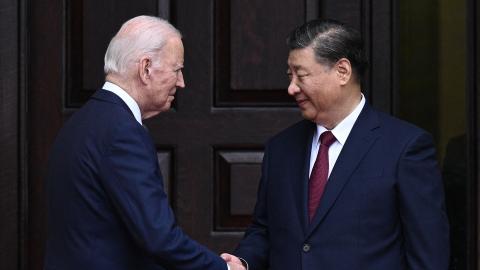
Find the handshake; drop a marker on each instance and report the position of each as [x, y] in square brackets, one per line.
[233, 262]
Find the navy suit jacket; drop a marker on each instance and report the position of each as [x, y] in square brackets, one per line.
[107, 208]
[383, 206]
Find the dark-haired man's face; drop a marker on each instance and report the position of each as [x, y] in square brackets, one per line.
[315, 87]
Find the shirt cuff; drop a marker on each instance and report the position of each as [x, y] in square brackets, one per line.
[245, 263]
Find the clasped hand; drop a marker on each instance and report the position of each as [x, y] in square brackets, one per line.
[233, 261]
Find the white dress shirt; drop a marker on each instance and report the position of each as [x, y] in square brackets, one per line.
[341, 132]
[131, 103]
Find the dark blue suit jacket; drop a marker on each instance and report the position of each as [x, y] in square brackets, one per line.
[106, 205]
[383, 207]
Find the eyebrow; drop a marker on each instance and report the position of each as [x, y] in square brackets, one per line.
[297, 67]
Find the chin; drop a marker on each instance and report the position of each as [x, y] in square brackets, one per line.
[167, 106]
[164, 106]
[308, 116]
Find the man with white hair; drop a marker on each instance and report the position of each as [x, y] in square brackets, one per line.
[107, 208]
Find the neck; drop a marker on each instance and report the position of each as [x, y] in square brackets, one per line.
[128, 87]
[341, 112]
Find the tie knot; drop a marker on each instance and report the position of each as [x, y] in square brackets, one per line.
[327, 138]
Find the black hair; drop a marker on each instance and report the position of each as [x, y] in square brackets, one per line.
[331, 41]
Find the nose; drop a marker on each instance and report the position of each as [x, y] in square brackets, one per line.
[180, 81]
[293, 88]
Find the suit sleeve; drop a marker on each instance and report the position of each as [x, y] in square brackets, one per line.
[132, 180]
[254, 247]
[422, 206]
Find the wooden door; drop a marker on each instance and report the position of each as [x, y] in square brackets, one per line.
[210, 144]
[10, 138]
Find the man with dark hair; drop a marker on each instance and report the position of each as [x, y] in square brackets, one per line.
[348, 187]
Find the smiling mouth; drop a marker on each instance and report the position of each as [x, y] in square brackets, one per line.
[301, 101]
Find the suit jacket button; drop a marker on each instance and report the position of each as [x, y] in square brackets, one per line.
[306, 248]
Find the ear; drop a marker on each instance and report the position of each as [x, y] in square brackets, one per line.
[145, 69]
[344, 70]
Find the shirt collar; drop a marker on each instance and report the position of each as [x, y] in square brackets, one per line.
[342, 130]
[131, 103]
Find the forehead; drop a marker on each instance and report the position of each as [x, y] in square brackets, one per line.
[172, 50]
[174, 43]
[301, 57]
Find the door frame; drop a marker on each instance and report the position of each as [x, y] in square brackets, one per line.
[473, 132]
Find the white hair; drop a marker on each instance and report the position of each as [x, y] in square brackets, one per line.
[139, 36]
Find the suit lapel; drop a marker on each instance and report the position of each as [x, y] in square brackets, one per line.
[295, 169]
[361, 138]
[300, 185]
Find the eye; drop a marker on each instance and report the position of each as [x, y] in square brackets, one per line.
[302, 75]
[289, 74]
[177, 71]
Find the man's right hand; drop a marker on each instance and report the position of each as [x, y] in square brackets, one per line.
[233, 262]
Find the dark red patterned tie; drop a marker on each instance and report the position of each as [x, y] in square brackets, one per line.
[319, 175]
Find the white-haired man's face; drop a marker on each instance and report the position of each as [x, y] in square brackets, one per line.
[164, 78]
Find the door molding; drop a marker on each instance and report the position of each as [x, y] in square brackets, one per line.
[473, 125]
